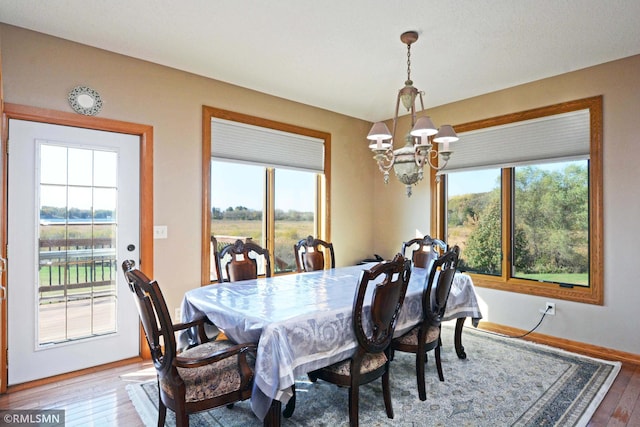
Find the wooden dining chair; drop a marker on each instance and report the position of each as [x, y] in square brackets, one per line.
[244, 261]
[209, 374]
[425, 250]
[426, 335]
[309, 254]
[215, 261]
[373, 329]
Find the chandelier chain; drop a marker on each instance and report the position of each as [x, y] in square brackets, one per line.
[409, 61]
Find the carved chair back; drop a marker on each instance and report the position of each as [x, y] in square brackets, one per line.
[439, 282]
[425, 250]
[386, 302]
[309, 254]
[244, 261]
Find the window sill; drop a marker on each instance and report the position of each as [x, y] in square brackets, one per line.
[582, 294]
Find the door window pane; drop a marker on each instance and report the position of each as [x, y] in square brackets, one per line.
[295, 198]
[105, 169]
[77, 245]
[54, 169]
[80, 171]
[474, 219]
[551, 223]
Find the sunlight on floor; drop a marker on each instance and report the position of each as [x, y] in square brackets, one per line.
[143, 375]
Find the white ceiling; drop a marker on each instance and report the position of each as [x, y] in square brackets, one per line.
[346, 55]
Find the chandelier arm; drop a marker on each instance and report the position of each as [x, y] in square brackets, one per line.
[421, 158]
[395, 119]
[385, 160]
[434, 153]
[413, 115]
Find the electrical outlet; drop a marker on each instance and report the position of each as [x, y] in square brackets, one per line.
[177, 314]
[549, 308]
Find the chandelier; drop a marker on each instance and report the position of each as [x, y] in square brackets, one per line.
[408, 161]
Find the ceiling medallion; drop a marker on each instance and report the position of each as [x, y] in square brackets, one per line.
[85, 100]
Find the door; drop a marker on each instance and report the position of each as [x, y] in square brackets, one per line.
[73, 217]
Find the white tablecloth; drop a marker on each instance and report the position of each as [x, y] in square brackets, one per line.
[303, 322]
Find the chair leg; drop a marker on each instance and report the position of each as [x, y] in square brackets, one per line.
[386, 392]
[421, 360]
[273, 417]
[182, 418]
[291, 404]
[162, 413]
[354, 392]
[438, 364]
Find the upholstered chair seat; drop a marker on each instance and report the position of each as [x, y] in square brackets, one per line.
[411, 337]
[197, 381]
[370, 362]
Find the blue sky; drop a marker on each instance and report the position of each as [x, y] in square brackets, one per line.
[481, 181]
[292, 187]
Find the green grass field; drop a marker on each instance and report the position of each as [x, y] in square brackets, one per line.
[77, 231]
[75, 273]
[62, 272]
[581, 279]
[460, 234]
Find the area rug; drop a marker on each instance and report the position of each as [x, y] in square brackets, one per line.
[502, 382]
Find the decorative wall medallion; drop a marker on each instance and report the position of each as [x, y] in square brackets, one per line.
[85, 100]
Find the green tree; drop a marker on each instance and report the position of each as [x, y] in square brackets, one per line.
[484, 248]
[552, 209]
[216, 213]
[483, 252]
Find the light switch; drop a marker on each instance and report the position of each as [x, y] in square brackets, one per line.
[159, 231]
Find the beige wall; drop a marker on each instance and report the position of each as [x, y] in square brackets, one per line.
[613, 325]
[39, 71]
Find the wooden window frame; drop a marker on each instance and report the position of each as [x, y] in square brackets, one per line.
[322, 223]
[594, 293]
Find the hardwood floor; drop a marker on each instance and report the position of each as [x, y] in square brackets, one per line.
[97, 399]
[621, 405]
[100, 398]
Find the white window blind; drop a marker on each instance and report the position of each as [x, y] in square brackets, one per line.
[242, 142]
[559, 137]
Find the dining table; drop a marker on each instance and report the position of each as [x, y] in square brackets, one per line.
[303, 322]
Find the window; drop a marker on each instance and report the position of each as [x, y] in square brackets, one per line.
[551, 223]
[473, 219]
[264, 181]
[529, 218]
[294, 214]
